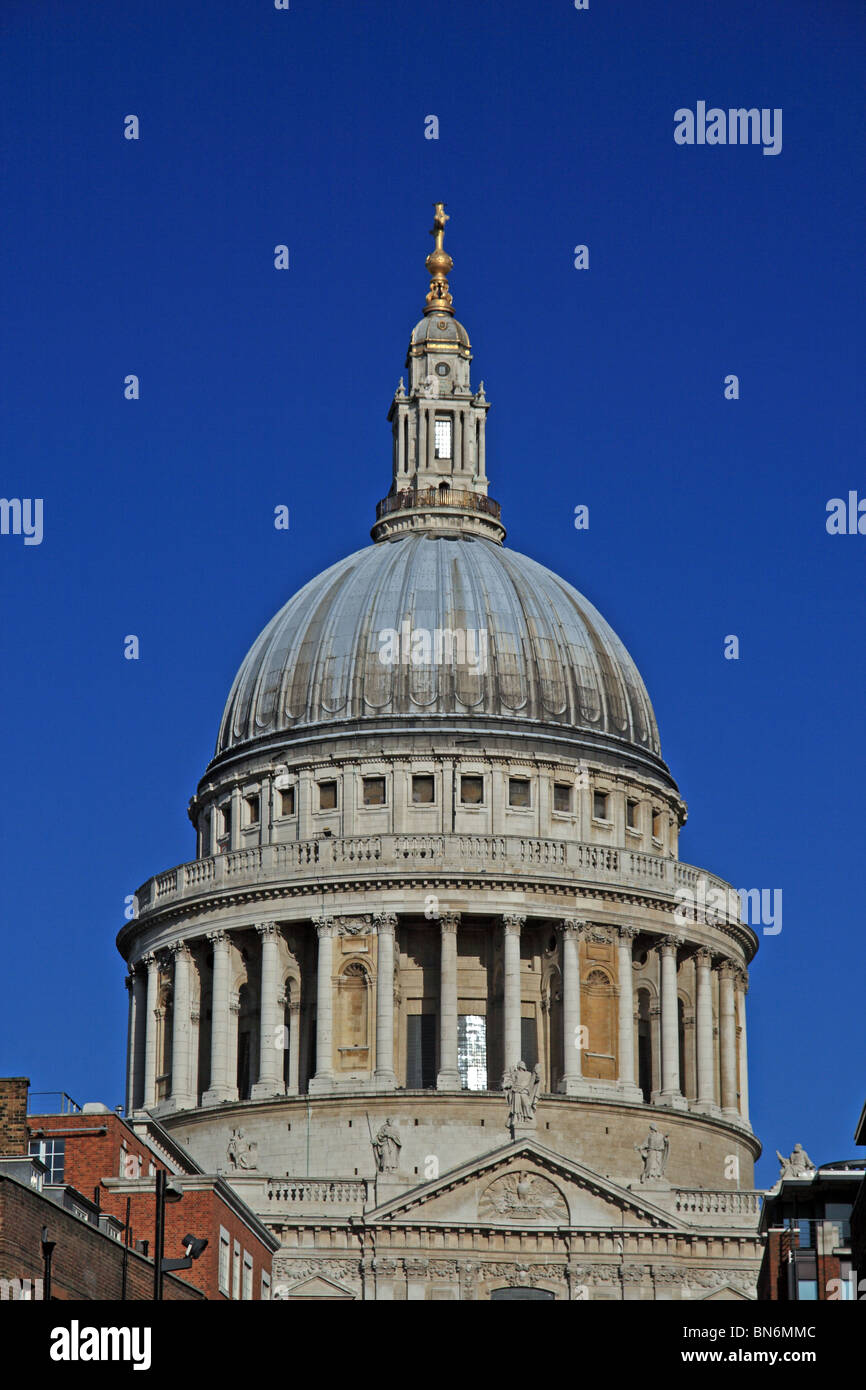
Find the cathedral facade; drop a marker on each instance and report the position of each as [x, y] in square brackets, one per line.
[437, 994]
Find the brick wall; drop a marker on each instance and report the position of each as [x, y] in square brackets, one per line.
[13, 1114]
[87, 1264]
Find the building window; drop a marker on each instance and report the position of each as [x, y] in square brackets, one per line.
[374, 791]
[472, 791]
[327, 796]
[442, 437]
[247, 1292]
[423, 789]
[599, 805]
[807, 1290]
[226, 817]
[632, 812]
[529, 1042]
[252, 808]
[518, 791]
[472, 1051]
[657, 824]
[53, 1155]
[421, 1052]
[287, 801]
[236, 1270]
[561, 796]
[224, 1261]
[266, 1285]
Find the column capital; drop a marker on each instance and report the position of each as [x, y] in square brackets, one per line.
[129, 980]
[741, 978]
[325, 926]
[267, 931]
[180, 948]
[669, 943]
[513, 922]
[385, 922]
[704, 958]
[218, 938]
[149, 960]
[727, 968]
[234, 1004]
[627, 934]
[573, 926]
[449, 922]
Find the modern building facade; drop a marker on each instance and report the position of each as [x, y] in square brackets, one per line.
[436, 991]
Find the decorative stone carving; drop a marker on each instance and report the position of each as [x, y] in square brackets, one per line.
[383, 922]
[654, 1152]
[241, 1153]
[521, 1089]
[523, 1196]
[386, 1148]
[798, 1165]
[353, 926]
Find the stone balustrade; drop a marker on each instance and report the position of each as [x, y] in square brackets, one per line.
[294, 1193]
[332, 857]
[706, 1203]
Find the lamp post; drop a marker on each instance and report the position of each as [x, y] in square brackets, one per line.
[47, 1252]
[165, 1192]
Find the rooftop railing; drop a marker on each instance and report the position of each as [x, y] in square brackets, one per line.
[437, 497]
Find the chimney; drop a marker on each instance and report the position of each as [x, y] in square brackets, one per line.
[13, 1114]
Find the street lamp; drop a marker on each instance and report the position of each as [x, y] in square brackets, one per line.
[194, 1246]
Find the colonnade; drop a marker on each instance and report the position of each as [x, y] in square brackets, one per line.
[720, 1038]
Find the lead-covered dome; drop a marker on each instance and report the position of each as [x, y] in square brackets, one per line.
[346, 648]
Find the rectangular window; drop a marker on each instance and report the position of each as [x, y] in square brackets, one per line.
[529, 1042]
[561, 796]
[657, 825]
[236, 1270]
[632, 812]
[327, 796]
[423, 789]
[226, 817]
[421, 1052]
[53, 1155]
[807, 1290]
[518, 791]
[247, 1292]
[266, 1285]
[472, 1051]
[374, 791]
[442, 438]
[287, 801]
[472, 791]
[224, 1261]
[252, 808]
[599, 805]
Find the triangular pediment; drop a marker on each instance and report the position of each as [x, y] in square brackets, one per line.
[527, 1185]
[316, 1287]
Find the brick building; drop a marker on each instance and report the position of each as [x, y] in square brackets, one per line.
[89, 1162]
[807, 1223]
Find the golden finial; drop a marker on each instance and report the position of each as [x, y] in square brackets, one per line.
[439, 263]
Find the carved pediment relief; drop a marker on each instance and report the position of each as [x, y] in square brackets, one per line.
[523, 1196]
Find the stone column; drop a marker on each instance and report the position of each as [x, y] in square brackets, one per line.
[742, 991]
[627, 1085]
[511, 938]
[270, 1082]
[213, 827]
[149, 1098]
[704, 1031]
[482, 449]
[421, 461]
[222, 1085]
[431, 439]
[728, 1038]
[448, 1077]
[572, 1038]
[137, 987]
[324, 1078]
[385, 1077]
[294, 1044]
[670, 1026]
[182, 1089]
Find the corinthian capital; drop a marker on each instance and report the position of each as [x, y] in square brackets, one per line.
[324, 926]
[513, 923]
[385, 923]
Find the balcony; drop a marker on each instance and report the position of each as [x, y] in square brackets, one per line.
[412, 498]
[419, 859]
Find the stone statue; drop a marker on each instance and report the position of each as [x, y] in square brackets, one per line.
[521, 1089]
[240, 1152]
[386, 1147]
[654, 1151]
[799, 1165]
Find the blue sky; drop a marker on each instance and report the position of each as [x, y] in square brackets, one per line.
[707, 516]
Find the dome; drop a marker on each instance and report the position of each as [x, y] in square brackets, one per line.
[537, 653]
[439, 328]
